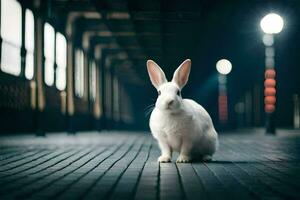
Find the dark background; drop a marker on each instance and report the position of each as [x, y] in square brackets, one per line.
[169, 32]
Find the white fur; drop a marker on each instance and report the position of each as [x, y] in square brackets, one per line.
[184, 126]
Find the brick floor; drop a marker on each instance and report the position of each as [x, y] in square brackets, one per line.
[115, 165]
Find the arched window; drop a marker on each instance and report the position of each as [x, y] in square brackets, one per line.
[11, 33]
[29, 44]
[49, 42]
[92, 79]
[61, 61]
[79, 73]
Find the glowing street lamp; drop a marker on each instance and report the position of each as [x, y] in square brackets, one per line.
[223, 67]
[271, 24]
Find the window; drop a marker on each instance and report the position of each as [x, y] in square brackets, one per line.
[49, 37]
[61, 61]
[79, 73]
[92, 79]
[11, 33]
[29, 44]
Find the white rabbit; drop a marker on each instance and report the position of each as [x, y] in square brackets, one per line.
[180, 124]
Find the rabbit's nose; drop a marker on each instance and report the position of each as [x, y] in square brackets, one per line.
[169, 103]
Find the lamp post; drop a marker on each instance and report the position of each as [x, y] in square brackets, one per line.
[223, 67]
[271, 24]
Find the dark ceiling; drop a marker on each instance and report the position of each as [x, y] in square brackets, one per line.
[171, 31]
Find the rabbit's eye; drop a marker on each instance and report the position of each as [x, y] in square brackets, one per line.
[178, 93]
[159, 92]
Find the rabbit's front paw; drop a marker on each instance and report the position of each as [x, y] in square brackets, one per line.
[164, 159]
[183, 159]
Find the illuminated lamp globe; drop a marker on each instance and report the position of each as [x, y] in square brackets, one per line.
[224, 66]
[272, 23]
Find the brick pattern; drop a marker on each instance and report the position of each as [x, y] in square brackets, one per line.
[15, 95]
[124, 166]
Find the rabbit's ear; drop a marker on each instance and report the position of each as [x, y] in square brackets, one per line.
[156, 74]
[181, 75]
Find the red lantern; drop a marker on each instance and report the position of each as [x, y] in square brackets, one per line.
[223, 110]
[270, 73]
[270, 82]
[269, 108]
[270, 91]
[270, 100]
